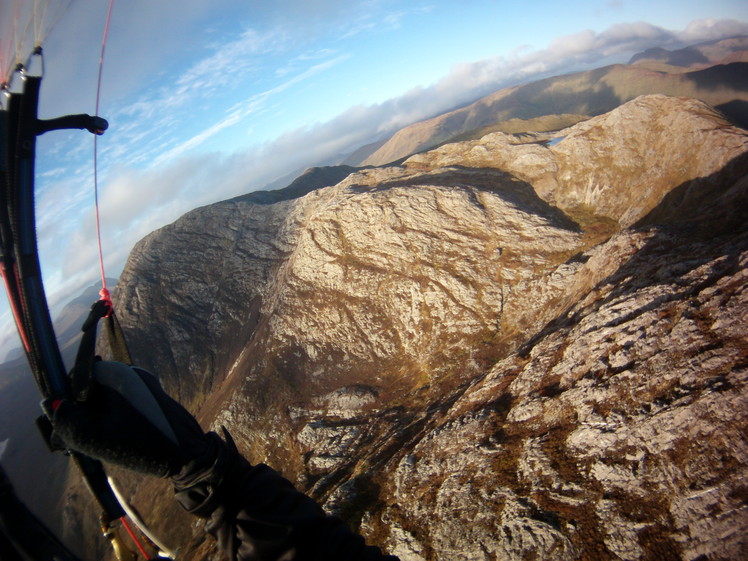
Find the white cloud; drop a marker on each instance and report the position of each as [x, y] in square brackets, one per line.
[708, 29]
[241, 111]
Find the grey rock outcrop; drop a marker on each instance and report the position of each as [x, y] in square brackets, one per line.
[618, 433]
[506, 348]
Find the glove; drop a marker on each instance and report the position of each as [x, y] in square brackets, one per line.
[93, 124]
[97, 125]
[128, 420]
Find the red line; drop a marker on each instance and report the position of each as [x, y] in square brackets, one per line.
[134, 538]
[16, 312]
[96, 173]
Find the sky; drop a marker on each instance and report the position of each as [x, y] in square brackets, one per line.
[210, 100]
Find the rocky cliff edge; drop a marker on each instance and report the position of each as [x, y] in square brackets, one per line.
[525, 346]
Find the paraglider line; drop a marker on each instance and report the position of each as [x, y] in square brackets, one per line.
[104, 292]
[134, 538]
[17, 315]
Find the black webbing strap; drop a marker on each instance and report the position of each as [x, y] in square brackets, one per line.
[116, 339]
[42, 350]
[81, 375]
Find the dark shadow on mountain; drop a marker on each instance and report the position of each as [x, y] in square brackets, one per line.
[707, 206]
[655, 53]
[736, 111]
[503, 184]
[733, 76]
[561, 94]
[311, 180]
[359, 155]
[681, 57]
[698, 222]
[687, 57]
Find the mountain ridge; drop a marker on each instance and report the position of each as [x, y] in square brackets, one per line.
[482, 312]
[708, 53]
[586, 94]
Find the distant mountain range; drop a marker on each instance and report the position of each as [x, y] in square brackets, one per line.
[714, 72]
[708, 53]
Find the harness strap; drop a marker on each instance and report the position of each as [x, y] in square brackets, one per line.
[116, 338]
[81, 375]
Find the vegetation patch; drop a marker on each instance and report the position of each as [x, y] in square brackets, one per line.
[597, 228]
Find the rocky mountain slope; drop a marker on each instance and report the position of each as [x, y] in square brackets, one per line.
[523, 346]
[713, 72]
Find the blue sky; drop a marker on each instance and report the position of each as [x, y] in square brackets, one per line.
[209, 100]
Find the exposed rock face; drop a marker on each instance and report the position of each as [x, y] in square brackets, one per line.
[601, 165]
[499, 349]
[617, 433]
